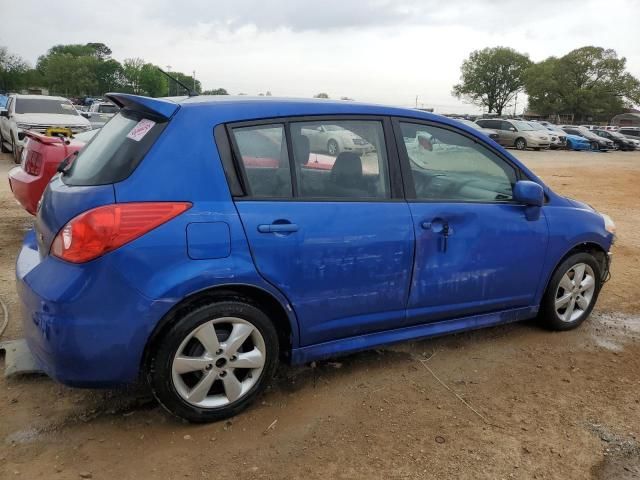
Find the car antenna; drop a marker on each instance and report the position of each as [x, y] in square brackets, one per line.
[191, 93]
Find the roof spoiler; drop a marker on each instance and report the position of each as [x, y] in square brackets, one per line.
[152, 106]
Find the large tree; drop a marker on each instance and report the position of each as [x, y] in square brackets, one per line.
[586, 82]
[13, 71]
[492, 77]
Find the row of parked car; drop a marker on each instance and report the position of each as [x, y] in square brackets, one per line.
[541, 135]
[52, 129]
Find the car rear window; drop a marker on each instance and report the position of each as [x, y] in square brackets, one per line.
[116, 150]
[107, 109]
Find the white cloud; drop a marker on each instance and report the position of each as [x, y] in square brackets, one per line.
[382, 51]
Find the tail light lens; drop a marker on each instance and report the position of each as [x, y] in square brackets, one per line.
[103, 229]
[33, 163]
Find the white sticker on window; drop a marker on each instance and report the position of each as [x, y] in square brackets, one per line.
[138, 132]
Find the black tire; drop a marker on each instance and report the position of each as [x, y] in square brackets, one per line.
[548, 314]
[595, 146]
[14, 151]
[3, 147]
[520, 143]
[333, 148]
[159, 370]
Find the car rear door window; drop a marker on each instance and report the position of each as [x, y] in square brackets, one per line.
[448, 166]
[263, 155]
[340, 159]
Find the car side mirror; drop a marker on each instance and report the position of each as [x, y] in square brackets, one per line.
[513, 129]
[529, 193]
[4, 113]
[86, 114]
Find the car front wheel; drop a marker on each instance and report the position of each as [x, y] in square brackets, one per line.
[213, 361]
[333, 148]
[521, 144]
[572, 292]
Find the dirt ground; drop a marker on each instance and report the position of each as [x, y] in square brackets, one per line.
[511, 402]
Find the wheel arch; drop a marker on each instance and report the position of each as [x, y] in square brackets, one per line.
[515, 142]
[591, 247]
[256, 296]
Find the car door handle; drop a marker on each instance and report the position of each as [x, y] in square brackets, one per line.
[278, 228]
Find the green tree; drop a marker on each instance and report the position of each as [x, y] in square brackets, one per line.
[110, 76]
[321, 95]
[13, 71]
[132, 72]
[492, 77]
[586, 82]
[216, 91]
[69, 75]
[152, 82]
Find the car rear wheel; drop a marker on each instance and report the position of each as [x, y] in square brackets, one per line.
[572, 292]
[332, 147]
[213, 361]
[521, 144]
[595, 146]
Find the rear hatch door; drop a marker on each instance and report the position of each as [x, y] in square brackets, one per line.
[111, 156]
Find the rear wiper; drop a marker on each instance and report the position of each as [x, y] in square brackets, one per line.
[64, 164]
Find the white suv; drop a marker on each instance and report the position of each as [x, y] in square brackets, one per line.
[36, 113]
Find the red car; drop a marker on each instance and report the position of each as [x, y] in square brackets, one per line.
[40, 159]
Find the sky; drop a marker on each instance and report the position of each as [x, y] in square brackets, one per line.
[381, 51]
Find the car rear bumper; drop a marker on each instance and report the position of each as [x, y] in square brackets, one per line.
[84, 324]
[27, 189]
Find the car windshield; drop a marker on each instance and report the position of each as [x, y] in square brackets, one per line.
[524, 126]
[45, 105]
[537, 126]
[471, 124]
[333, 128]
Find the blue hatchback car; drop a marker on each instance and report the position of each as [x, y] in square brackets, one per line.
[197, 243]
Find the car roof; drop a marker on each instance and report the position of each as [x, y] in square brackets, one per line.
[231, 108]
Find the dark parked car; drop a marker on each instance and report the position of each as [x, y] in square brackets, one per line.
[597, 142]
[176, 250]
[621, 142]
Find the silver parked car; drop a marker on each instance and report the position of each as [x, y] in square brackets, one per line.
[518, 134]
[334, 139]
[492, 134]
[558, 137]
[100, 113]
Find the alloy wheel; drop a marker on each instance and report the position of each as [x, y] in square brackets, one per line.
[219, 362]
[575, 292]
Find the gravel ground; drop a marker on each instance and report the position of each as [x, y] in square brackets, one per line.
[538, 404]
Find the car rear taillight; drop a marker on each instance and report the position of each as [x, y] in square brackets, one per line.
[33, 163]
[103, 229]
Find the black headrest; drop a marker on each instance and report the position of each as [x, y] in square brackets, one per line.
[347, 166]
[301, 149]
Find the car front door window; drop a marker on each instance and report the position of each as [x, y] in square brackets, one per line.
[453, 167]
